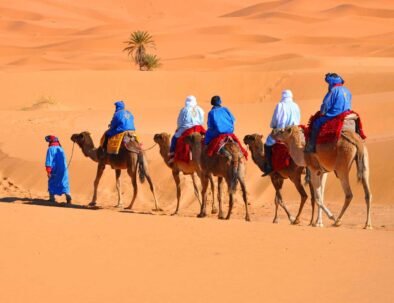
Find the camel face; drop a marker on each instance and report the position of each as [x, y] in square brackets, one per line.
[252, 139]
[161, 138]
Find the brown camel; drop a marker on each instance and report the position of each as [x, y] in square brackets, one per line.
[191, 168]
[338, 157]
[293, 172]
[230, 166]
[131, 158]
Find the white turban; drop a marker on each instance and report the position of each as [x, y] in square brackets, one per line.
[190, 101]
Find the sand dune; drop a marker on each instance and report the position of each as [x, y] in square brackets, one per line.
[62, 67]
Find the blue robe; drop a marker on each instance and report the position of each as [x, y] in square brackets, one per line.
[122, 121]
[336, 101]
[58, 182]
[220, 121]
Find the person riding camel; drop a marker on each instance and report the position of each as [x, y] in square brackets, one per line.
[122, 121]
[56, 168]
[287, 113]
[190, 115]
[337, 101]
[220, 120]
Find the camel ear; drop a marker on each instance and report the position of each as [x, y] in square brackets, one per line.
[246, 139]
[260, 137]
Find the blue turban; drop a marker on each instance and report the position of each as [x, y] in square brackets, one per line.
[216, 101]
[333, 79]
[119, 105]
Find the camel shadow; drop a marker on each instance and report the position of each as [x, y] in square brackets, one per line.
[43, 202]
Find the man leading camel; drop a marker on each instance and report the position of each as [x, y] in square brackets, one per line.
[56, 168]
[287, 113]
[190, 115]
[337, 101]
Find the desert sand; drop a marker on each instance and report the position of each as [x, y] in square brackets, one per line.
[62, 67]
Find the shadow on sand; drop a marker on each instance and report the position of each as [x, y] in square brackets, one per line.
[43, 202]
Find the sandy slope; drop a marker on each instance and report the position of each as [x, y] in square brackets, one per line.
[62, 67]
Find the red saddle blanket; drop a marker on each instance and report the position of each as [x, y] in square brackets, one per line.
[217, 143]
[280, 157]
[331, 130]
[182, 150]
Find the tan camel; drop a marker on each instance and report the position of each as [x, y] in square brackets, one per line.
[293, 172]
[191, 168]
[132, 159]
[337, 157]
[230, 167]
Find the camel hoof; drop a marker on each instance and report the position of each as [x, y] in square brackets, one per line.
[332, 218]
[201, 215]
[368, 226]
[157, 209]
[221, 216]
[119, 206]
[337, 223]
[174, 214]
[276, 221]
[295, 222]
[318, 225]
[247, 219]
[214, 211]
[128, 207]
[92, 204]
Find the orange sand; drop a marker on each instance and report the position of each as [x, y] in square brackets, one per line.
[62, 67]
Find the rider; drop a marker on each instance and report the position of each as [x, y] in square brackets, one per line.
[287, 113]
[220, 120]
[190, 115]
[57, 171]
[337, 101]
[122, 121]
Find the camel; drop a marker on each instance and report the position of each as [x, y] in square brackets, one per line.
[230, 167]
[293, 172]
[191, 168]
[132, 159]
[338, 157]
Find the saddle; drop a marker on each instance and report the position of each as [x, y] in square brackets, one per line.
[115, 142]
[216, 146]
[332, 129]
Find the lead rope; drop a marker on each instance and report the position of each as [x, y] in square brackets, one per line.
[72, 153]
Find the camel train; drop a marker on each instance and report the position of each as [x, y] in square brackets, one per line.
[331, 142]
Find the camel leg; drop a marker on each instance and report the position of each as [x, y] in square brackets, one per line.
[196, 191]
[100, 170]
[348, 196]
[153, 191]
[301, 190]
[117, 175]
[313, 203]
[132, 171]
[214, 209]
[230, 206]
[318, 183]
[278, 183]
[244, 197]
[204, 184]
[220, 182]
[175, 175]
[367, 190]
[276, 219]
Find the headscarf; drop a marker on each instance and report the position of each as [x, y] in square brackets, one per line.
[190, 101]
[119, 105]
[52, 140]
[287, 96]
[333, 79]
[216, 101]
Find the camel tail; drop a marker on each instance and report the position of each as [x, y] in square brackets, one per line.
[234, 169]
[141, 167]
[357, 141]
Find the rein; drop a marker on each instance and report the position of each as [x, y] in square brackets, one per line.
[71, 157]
[137, 151]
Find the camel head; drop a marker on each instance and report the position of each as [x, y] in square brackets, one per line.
[163, 139]
[282, 134]
[254, 141]
[84, 140]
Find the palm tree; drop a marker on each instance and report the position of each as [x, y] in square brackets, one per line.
[151, 62]
[137, 44]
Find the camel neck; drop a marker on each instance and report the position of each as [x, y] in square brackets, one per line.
[258, 157]
[296, 148]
